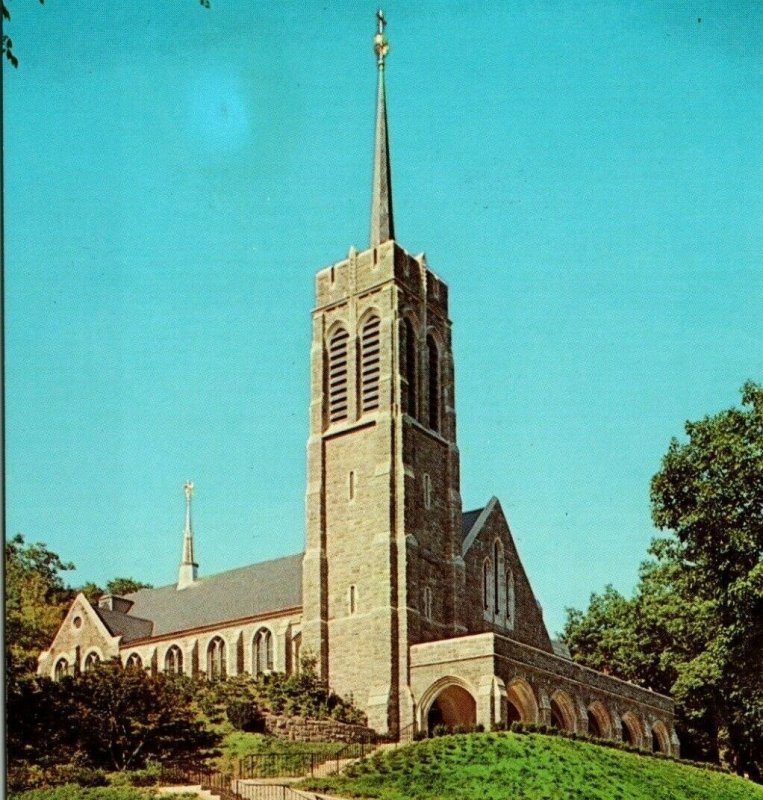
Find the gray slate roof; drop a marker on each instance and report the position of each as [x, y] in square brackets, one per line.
[236, 594]
[126, 625]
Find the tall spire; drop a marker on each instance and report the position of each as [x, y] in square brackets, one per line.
[189, 569]
[382, 225]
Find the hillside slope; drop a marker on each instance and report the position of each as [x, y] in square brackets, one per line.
[498, 766]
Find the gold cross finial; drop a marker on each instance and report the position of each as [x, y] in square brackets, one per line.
[381, 45]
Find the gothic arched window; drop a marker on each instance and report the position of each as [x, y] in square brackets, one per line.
[262, 655]
[61, 669]
[434, 384]
[92, 660]
[510, 599]
[408, 354]
[134, 661]
[216, 667]
[337, 375]
[486, 584]
[497, 564]
[370, 364]
[173, 661]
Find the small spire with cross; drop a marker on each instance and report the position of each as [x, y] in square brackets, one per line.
[189, 569]
[382, 224]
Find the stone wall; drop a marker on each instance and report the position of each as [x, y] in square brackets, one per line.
[298, 729]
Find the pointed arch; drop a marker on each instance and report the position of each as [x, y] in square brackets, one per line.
[337, 386]
[563, 715]
[660, 738]
[91, 662]
[497, 575]
[434, 383]
[409, 366]
[511, 600]
[61, 669]
[486, 579]
[449, 701]
[262, 651]
[369, 362]
[599, 721]
[134, 661]
[217, 666]
[631, 729]
[173, 660]
[521, 702]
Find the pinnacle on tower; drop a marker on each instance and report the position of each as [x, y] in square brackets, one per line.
[382, 224]
[189, 569]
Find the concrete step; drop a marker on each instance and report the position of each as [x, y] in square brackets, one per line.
[205, 794]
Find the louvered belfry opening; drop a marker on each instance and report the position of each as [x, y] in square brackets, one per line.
[337, 379]
[370, 364]
[434, 385]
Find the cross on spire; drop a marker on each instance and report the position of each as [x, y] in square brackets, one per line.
[189, 569]
[382, 223]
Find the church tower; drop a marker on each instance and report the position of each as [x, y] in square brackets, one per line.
[382, 567]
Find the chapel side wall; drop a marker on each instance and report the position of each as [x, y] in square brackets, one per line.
[528, 625]
[239, 646]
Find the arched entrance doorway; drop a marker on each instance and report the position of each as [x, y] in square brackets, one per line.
[451, 705]
[563, 711]
[521, 705]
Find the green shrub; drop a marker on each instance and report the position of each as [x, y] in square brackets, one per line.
[440, 730]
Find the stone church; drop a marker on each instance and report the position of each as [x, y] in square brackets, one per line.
[417, 610]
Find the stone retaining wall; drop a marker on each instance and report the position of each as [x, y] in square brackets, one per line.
[298, 729]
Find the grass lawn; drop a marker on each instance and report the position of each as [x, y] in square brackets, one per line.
[497, 766]
[238, 745]
[71, 791]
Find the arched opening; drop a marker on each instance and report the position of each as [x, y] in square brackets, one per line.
[434, 384]
[61, 669]
[510, 600]
[521, 703]
[134, 662]
[262, 656]
[92, 660]
[631, 730]
[486, 584]
[216, 659]
[660, 738]
[336, 391]
[497, 574]
[599, 722]
[453, 705]
[370, 364]
[173, 661]
[408, 353]
[563, 712]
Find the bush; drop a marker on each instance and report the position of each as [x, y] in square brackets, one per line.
[245, 716]
[72, 773]
[440, 730]
[419, 736]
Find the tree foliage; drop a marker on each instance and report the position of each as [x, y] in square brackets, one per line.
[122, 586]
[35, 600]
[694, 627]
[108, 717]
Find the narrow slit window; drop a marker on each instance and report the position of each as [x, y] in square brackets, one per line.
[351, 485]
[434, 385]
[427, 491]
[352, 600]
[337, 376]
[370, 364]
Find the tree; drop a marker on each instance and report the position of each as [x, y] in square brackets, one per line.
[122, 586]
[35, 601]
[108, 717]
[694, 627]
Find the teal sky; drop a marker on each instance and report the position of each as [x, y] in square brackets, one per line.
[586, 176]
